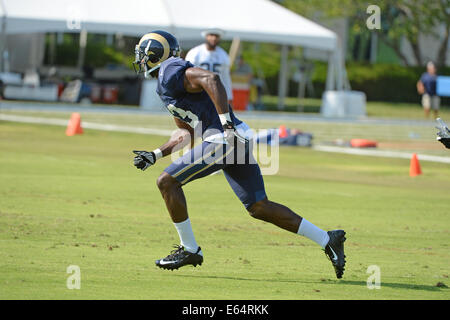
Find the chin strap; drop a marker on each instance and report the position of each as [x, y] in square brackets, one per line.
[148, 73]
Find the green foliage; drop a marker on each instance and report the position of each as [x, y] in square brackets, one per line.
[323, 8]
[98, 54]
[66, 53]
[264, 57]
[387, 82]
[399, 18]
[384, 82]
[380, 82]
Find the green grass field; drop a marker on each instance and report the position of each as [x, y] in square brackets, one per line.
[79, 201]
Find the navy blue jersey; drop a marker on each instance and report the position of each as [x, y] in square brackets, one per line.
[429, 82]
[192, 108]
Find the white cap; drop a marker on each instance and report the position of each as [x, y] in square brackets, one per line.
[217, 31]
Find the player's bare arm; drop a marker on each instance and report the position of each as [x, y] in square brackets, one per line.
[186, 131]
[197, 80]
[178, 140]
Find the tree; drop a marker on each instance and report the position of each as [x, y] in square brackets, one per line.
[401, 19]
[409, 19]
[444, 14]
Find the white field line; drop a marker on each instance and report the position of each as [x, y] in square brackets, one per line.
[86, 125]
[382, 153]
[162, 132]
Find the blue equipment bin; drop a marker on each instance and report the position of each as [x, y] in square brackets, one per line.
[443, 86]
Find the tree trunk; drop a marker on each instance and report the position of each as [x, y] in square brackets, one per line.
[416, 50]
[442, 53]
[395, 46]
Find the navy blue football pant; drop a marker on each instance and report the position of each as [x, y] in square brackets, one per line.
[240, 168]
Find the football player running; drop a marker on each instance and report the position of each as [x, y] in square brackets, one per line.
[198, 102]
[443, 136]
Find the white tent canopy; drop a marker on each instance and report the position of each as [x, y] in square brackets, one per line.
[131, 17]
[250, 20]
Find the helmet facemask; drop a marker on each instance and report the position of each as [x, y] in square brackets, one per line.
[140, 64]
[153, 49]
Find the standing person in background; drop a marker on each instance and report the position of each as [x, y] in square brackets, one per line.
[426, 86]
[211, 57]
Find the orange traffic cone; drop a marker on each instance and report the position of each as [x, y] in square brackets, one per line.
[414, 168]
[74, 126]
[282, 131]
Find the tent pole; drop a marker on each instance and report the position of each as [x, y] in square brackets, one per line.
[282, 78]
[234, 49]
[301, 83]
[330, 72]
[52, 48]
[4, 48]
[82, 52]
[373, 47]
[339, 69]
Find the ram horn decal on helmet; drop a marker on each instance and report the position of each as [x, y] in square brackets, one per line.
[154, 48]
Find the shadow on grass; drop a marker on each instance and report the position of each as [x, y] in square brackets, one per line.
[403, 286]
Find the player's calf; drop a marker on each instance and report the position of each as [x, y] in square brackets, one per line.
[276, 214]
[172, 193]
[258, 210]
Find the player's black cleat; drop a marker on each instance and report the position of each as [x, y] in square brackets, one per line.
[179, 257]
[334, 250]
